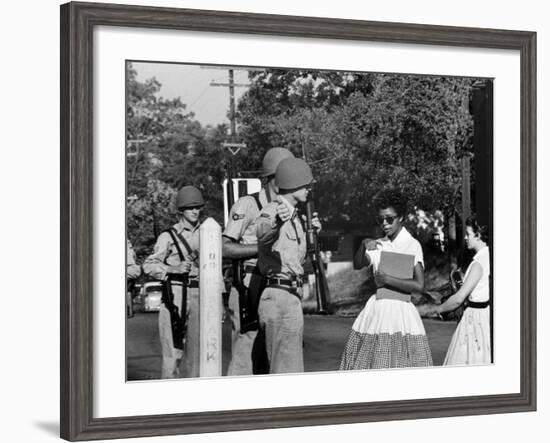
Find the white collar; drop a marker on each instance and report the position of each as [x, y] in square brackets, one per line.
[403, 237]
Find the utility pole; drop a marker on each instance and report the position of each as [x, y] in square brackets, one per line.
[231, 85]
[231, 145]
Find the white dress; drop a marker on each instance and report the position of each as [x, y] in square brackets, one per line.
[471, 342]
[388, 333]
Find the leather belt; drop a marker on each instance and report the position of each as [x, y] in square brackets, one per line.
[477, 304]
[291, 283]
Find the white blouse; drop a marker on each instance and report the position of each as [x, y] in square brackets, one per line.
[481, 291]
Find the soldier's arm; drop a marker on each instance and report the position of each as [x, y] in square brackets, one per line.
[232, 249]
[154, 265]
[268, 227]
[239, 220]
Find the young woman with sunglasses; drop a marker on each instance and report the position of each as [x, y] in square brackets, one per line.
[389, 333]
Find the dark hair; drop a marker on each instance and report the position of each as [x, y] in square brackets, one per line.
[478, 229]
[391, 198]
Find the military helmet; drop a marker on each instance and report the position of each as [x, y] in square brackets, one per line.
[293, 173]
[189, 197]
[272, 158]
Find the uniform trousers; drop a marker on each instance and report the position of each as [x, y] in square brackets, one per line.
[178, 363]
[241, 344]
[282, 320]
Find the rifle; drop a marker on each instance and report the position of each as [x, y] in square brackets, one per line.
[321, 284]
[248, 315]
[177, 320]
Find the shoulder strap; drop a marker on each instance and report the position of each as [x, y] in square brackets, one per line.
[256, 197]
[173, 234]
[180, 253]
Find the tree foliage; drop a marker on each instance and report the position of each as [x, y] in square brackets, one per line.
[363, 133]
[167, 150]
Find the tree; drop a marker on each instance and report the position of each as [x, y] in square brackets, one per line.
[363, 133]
[167, 149]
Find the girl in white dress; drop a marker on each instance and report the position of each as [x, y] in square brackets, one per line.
[471, 342]
[389, 333]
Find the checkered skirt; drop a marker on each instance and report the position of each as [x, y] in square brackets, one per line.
[387, 334]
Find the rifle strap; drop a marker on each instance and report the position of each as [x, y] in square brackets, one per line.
[173, 234]
[256, 197]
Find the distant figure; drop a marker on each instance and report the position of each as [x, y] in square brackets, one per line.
[471, 342]
[133, 271]
[389, 333]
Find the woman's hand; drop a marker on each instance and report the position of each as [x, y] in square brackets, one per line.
[381, 279]
[370, 245]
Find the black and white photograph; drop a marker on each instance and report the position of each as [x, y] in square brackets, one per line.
[353, 212]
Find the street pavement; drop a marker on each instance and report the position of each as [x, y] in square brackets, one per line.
[324, 341]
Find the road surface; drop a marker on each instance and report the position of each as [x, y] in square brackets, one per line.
[324, 341]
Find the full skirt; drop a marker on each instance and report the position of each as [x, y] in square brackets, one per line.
[471, 342]
[387, 334]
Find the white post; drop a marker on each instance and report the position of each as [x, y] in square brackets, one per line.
[210, 289]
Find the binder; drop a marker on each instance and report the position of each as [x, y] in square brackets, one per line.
[397, 265]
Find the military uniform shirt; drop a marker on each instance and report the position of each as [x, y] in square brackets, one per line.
[281, 246]
[166, 254]
[241, 226]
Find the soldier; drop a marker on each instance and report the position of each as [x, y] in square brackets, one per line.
[239, 242]
[281, 253]
[175, 262]
[133, 271]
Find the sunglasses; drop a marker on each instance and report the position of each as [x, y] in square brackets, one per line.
[389, 219]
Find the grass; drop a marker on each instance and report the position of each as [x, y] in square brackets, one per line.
[349, 291]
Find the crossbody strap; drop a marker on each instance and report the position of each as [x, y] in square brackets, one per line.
[256, 197]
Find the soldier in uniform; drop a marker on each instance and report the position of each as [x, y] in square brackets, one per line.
[240, 243]
[281, 254]
[133, 271]
[175, 262]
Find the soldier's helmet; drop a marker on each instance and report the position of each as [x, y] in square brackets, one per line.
[189, 197]
[272, 158]
[293, 173]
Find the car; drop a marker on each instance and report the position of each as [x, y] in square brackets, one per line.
[151, 295]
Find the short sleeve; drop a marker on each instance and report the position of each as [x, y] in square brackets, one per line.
[418, 254]
[239, 219]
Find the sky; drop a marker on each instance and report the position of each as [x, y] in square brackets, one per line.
[192, 84]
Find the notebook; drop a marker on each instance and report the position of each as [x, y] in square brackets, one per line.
[397, 265]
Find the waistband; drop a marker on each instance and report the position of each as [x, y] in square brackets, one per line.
[388, 294]
[289, 282]
[477, 304]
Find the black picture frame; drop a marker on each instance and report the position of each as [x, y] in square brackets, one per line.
[77, 218]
